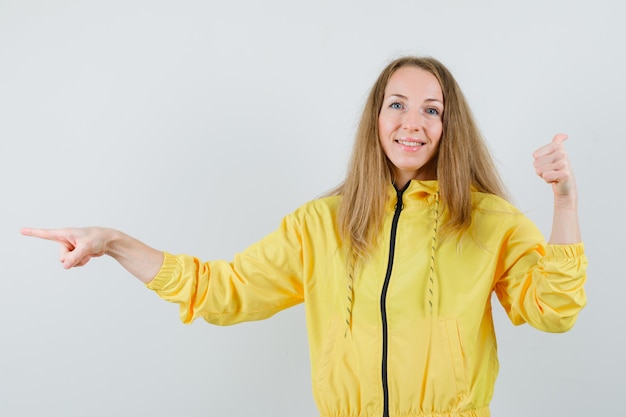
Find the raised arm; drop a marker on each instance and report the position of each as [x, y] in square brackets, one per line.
[552, 164]
[79, 245]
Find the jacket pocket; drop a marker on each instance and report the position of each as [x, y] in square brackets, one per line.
[456, 356]
[337, 377]
[325, 364]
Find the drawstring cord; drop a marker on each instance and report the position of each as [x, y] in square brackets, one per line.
[431, 278]
[351, 271]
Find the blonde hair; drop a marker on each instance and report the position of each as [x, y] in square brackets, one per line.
[463, 161]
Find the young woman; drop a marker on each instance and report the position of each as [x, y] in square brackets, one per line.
[397, 266]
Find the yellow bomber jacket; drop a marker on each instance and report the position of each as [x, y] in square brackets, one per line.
[409, 332]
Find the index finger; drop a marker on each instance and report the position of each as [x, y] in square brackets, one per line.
[48, 234]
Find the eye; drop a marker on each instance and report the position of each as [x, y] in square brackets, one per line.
[396, 105]
[431, 111]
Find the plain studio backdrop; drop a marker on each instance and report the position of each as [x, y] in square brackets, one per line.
[197, 125]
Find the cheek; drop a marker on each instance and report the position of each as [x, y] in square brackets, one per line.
[435, 131]
[383, 132]
[387, 122]
[381, 126]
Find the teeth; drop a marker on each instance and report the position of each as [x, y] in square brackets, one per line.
[409, 143]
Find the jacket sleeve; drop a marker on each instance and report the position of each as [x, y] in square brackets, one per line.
[259, 282]
[542, 284]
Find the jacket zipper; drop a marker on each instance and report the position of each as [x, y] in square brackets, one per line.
[383, 298]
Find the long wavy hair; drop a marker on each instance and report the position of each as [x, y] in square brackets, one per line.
[463, 162]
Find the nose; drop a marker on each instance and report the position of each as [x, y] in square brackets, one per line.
[413, 119]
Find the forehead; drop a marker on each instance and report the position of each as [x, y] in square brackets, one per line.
[413, 82]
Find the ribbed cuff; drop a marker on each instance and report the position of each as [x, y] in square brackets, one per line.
[574, 250]
[165, 274]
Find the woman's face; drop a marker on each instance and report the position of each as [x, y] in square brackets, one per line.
[410, 123]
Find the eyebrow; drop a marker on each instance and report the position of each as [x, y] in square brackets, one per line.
[406, 98]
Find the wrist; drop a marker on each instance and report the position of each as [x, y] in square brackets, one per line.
[112, 241]
[566, 202]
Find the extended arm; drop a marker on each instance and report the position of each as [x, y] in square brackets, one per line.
[79, 245]
[552, 164]
[544, 285]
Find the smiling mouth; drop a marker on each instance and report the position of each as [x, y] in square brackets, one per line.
[410, 143]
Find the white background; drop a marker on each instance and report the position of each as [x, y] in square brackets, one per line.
[196, 125]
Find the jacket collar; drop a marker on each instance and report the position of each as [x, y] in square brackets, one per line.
[417, 192]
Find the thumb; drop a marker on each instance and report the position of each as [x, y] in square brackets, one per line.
[72, 256]
[559, 138]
